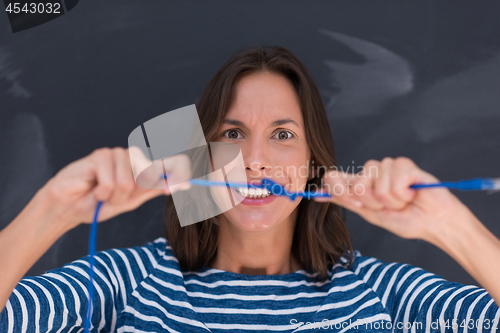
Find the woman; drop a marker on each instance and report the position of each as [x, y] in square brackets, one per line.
[268, 264]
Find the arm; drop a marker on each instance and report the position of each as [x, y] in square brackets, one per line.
[383, 198]
[25, 240]
[69, 199]
[58, 299]
[424, 301]
[474, 247]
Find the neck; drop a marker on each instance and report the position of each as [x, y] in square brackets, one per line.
[266, 252]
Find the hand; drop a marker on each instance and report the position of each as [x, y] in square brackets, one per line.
[381, 194]
[106, 175]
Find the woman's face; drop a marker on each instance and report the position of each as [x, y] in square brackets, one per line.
[266, 122]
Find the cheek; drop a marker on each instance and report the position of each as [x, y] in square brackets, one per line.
[295, 170]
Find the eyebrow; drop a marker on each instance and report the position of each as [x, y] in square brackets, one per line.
[274, 123]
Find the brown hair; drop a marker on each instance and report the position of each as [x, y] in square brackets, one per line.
[320, 236]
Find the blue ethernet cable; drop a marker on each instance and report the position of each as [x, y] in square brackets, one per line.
[90, 287]
[478, 184]
[268, 184]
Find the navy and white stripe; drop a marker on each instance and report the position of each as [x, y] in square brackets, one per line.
[142, 289]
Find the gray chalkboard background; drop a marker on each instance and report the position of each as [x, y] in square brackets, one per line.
[399, 78]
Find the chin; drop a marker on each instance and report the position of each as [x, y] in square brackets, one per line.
[251, 221]
[254, 225]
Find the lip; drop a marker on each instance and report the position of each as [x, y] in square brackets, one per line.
[259, 181]
[253, 202]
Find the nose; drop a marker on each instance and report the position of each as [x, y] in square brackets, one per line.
[256, 156]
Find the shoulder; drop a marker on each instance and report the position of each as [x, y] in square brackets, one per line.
[364, 266]
[148, 254]
[378, 274]
[135, 262]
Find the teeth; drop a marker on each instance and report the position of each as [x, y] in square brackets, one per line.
[253, 193]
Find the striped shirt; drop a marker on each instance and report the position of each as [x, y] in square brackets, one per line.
[142, 289]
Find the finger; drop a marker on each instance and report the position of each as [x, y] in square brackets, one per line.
[363, 190]
[338, 185]
[123, 176]
[360, 187]
[109, 210]
[139, 163]
[382, 186]
[102, 164]
[178, 169]
[405, 173]
[364, 185]
[138, 197]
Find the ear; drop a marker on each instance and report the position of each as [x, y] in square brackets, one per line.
[312, 171]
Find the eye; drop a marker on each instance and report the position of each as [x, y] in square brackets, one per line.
[231, 134]
[284, 135]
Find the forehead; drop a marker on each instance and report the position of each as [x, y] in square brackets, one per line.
[264, 97]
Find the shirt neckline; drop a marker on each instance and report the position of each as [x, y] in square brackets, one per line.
[297, 275]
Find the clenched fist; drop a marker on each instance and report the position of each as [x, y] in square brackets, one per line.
[381, 194]
[106, 175]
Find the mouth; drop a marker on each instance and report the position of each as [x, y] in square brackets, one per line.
[252, 193]
[253, 196]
